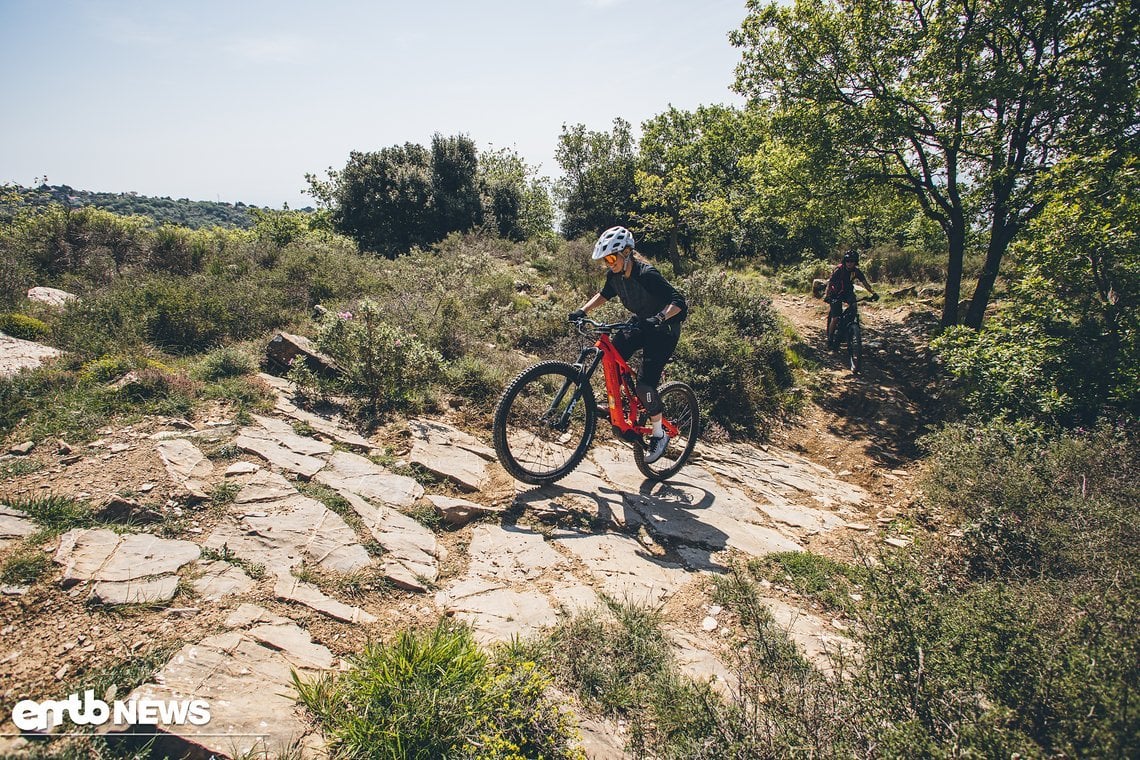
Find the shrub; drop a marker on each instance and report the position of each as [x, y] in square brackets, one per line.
[1037, 507]
[435, 694]
[380, 363]
[225, 362]
[22, 326]
[732, 351]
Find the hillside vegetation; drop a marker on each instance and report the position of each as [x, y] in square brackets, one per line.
[183, 212]
[1010, 627]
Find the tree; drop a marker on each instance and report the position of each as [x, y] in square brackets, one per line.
[457, 202]
[599, 185]
[516, 201]
[966, 105]
[381, 199]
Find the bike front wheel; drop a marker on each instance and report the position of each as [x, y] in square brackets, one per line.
[679, 407]
[544, 423]
[855, 348]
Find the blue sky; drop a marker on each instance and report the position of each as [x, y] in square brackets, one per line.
[236, 101]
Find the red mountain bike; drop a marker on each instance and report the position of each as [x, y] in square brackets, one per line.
[546, 417]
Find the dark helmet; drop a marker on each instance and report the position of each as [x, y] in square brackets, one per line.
[851, 255]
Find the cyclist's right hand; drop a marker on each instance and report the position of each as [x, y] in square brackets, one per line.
[576, 316]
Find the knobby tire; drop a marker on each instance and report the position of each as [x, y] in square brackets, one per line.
[680, 407]
[528, 444]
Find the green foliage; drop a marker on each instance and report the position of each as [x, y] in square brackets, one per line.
[22, 326]
[514, 199]
[435, 694]
[1035, 506]
[24, 566]
[54, 401]
[380, 363]
[599, 184]
[224, 362]
[1009, 368]
[610, 657]
[732, 351]
[183, 212]
[857, 80]
[825, 580]
[998, 668]
[403, 197]
[54, 513]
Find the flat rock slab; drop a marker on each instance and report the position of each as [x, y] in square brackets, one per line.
[510, 553]
[221, 579]
[700, 664]
[464, 469]
[439, 434]
[145, 591]
[623, 569]
[780, 475]
[352, 473]
[495, 612]
[98, 554]
[272, 525]
[246, 678]
[806, 518]
[137, 568]
[291, 589]
[187, 465]
[284, 434]
[812, 634]
[14, 525]
[708, 528]
[50, 296]
[17, 354]
[271, 448]
[411, 552]
[330, 428]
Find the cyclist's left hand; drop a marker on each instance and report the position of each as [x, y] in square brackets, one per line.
[653, 322]
[874, 296]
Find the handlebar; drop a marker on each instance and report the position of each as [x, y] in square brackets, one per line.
[588, 326]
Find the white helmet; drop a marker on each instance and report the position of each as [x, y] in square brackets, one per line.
[613, 240]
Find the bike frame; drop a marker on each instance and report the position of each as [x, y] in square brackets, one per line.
[620, 388]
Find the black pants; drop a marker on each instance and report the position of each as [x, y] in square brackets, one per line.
[656, 347]
[837, 305]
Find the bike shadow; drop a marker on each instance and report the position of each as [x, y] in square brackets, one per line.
[671, 513]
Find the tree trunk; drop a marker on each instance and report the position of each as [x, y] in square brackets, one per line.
[1000, 235]
[674, 254]
[956, 238]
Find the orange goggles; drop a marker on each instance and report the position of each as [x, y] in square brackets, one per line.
[611, 259]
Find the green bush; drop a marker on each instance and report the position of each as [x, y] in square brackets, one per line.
[435, 694]
[733, 352]
[996, 669]
[381, 364]
[22, 326]
[1034, 506]
[224, 362]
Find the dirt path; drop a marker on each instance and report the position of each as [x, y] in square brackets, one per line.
[868, 423]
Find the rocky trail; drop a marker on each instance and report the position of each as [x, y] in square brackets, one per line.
[246, 550]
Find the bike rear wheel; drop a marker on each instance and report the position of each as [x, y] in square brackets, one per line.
[680, 407]
[855, 348]
[544, 423]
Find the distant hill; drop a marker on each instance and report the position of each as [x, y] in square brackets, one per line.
[183, 212]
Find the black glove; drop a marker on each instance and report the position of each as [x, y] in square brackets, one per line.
[576, 316]
[653, 322]
[874, 296]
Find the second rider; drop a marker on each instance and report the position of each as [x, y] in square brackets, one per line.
[660, 309]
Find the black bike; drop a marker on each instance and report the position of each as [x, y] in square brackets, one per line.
[850, 331]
